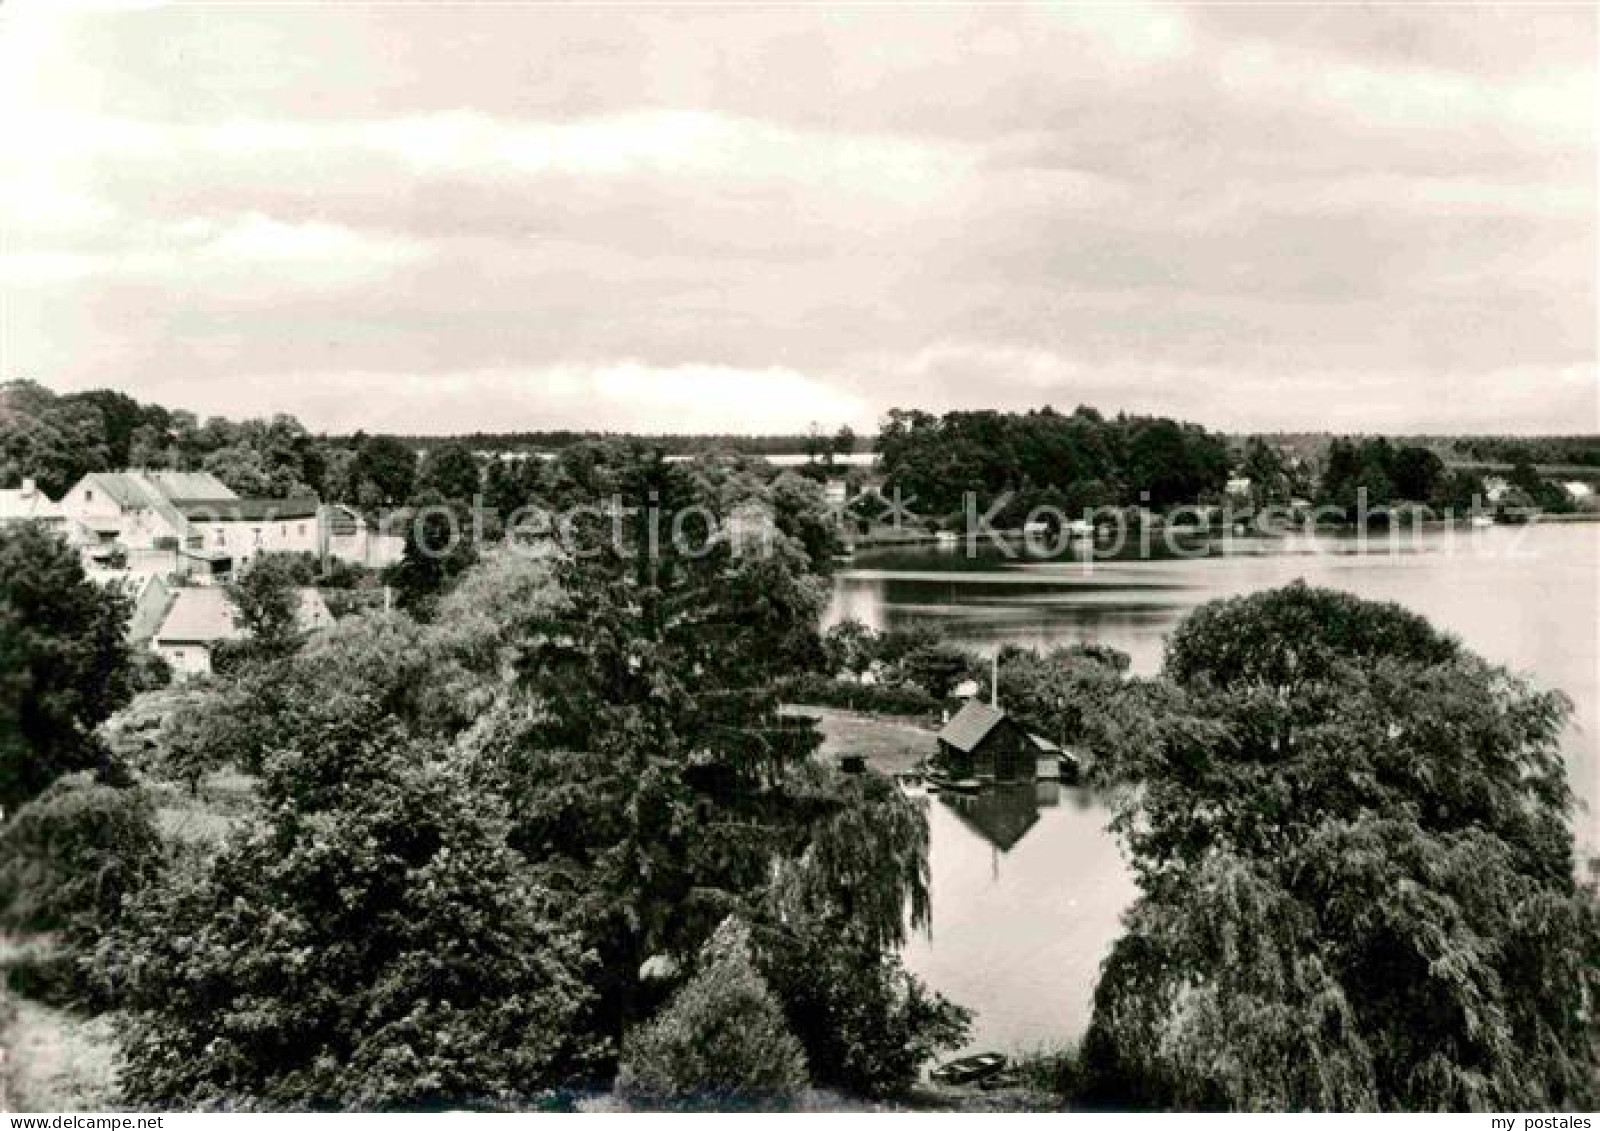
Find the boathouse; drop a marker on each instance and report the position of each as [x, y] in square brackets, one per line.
[984, 743]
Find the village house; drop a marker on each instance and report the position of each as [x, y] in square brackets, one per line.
[189, 522]
[982, 743]
[135, 509]
[348, 537]
[224, 534]
[201, 617]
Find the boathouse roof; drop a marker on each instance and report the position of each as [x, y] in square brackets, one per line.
[971, 726]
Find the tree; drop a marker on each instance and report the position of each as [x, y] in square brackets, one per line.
[650, 776]
[1356, 869]
[50, 439]
[266, 603]
[849, 646]
[66, 663]
[1416, 473]
[373, 944]
[385, 468]
[937, 668]
[1264, 466]
[438, 548]
[449, 471]
[241, 469]
[721, 1041]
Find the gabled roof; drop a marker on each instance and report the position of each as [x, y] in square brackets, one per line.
[971, 726]
[204, 615]
[192, 485]
[1043, 744]
[246, 510]
[156, 490]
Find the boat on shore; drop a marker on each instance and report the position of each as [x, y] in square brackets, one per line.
[945, 784]
[969, 1069]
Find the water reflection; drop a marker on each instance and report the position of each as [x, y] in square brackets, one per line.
[1001, 814]
[1027, 889]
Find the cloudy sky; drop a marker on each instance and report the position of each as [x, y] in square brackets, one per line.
[435, 218]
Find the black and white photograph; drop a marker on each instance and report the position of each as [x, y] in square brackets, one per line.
[839, 558]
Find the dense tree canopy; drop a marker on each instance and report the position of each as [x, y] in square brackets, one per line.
[1351, 838]
[451, 471]
[1044, 457]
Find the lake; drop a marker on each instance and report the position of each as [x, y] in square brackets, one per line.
[1027, 884]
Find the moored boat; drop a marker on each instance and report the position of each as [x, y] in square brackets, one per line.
[969, 1069]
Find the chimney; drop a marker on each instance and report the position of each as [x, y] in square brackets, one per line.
[994, 679]
[29, 488]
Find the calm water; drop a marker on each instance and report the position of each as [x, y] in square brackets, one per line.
[1027, 885]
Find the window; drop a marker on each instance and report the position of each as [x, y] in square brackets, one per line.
[219, 538]
[88, 495]
[302, 530]
[257, 533]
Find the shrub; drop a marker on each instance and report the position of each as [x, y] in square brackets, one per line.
[148, 671]
[373, 944]
[720, 1041]
[70, 857]
[867, 1024]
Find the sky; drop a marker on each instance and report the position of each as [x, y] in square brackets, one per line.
[439, 218]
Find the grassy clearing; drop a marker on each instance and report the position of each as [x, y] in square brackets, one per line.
[890, 746]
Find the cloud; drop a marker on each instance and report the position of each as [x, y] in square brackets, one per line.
[774, 215]
[253, 254]
[623, 395]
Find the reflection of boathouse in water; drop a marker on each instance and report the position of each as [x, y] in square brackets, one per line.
[1001, 814]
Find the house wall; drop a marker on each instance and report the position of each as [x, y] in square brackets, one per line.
[367, 549]
[187, 660]
[243, 540]
[137, 528]
[1004, 755]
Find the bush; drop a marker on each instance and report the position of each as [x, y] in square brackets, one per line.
[70, 857]
[148, 671]
[867, 1024]
[720, 1042]
[373, 945]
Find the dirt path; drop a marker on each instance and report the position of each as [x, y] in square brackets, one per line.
[57, 1062]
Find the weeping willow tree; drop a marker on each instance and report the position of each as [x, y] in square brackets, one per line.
[1353, 846]
[653, 781]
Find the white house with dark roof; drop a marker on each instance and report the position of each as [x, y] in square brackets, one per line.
[201, 617]
[206, 528]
